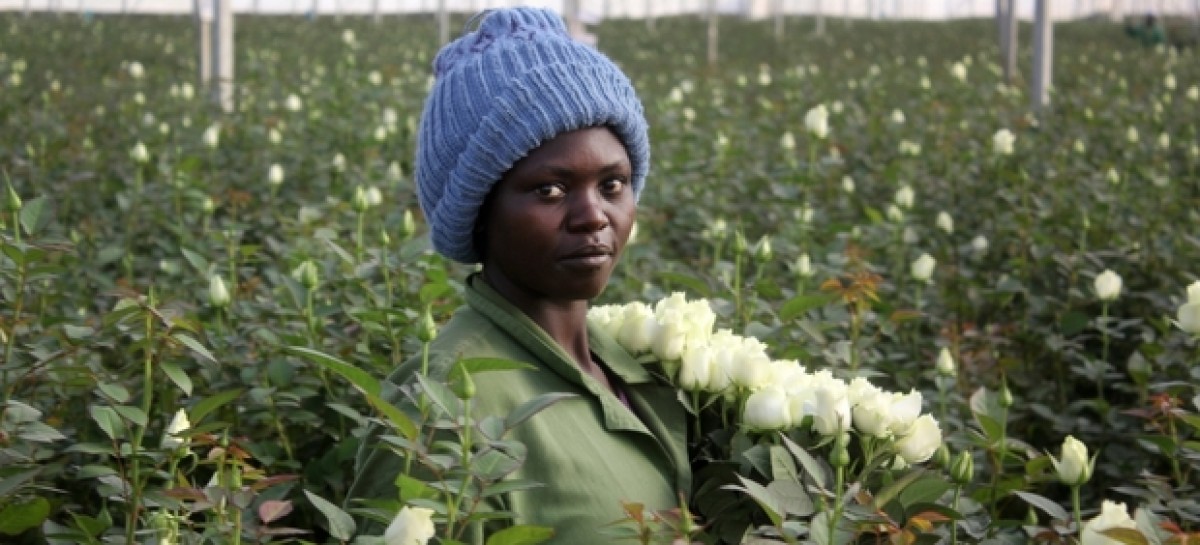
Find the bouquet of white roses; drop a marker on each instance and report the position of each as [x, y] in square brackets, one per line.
[775, 432]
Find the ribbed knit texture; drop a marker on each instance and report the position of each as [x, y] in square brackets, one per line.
[499, 93]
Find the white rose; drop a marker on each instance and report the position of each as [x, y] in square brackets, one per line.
[872, 416]
[412, 526]
[1193, 292]
[921, 441]
[816, 120]
[136, 71]
[670, 336]
[139, 154]
[898, 116]
[945, 222]
[847, 184]
[750, 366]
[179, 423]
[1002, 142]
[1108, 285]
[394, 174]
[695, 372]
[804, 266]
[905, 196]
[945, 363]
[767, 409]
[638, 328]
[1073, 468]
[787, 141]
[979, 244]
[374, 196]
[218, 294]
[861, 390]
[1131, 134]
[959, 71]
[1112, 515]
[604, 317]
[275, 175]
[1189, 317]
[832, 414]
[212, 136]
[922, 268]
[905, 409]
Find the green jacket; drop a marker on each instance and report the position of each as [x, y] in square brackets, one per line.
[591, 452]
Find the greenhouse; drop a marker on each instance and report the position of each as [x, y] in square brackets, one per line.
[600, 271]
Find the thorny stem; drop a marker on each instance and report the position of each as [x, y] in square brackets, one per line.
[283, 436]
[954, 523]
[147, 400]
[391, 297]
[22, 278]
[453, 507]
[1103, 352]
[1075, 506]
[1175, 471]
[737, 284]
[838, 504]
[998, 460]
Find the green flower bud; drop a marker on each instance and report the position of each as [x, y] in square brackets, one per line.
[963, 468]
[14, 200]
[464, 386]
[408, 226]
[1006, 397]
[428, 329]
[941, 457]
[218, 294]
[739, 242]
[307, 275]
[762, 250]
[840, 457]
[361, 203]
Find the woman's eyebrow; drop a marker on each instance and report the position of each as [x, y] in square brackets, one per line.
[613, 167]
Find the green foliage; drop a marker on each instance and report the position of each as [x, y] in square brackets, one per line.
[105, 267]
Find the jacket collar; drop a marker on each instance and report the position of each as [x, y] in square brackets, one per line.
[481, 297]
[656, 404]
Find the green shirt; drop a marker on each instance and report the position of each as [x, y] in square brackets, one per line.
[592, 452]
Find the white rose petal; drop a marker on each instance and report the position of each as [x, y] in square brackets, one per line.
[1112, 515]
[767, 409]
[1107, 285]
[412, 526]
[922, 268]
[921, 441]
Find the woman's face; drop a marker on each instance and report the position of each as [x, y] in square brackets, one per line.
[555, 224]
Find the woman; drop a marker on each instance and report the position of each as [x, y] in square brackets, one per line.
[531, 154]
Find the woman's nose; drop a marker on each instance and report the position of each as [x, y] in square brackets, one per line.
[586, 212]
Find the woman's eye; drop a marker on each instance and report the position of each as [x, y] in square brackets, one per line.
[614, 185]
[549, 191]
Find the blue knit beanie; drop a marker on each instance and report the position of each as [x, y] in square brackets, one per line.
[499, 93]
